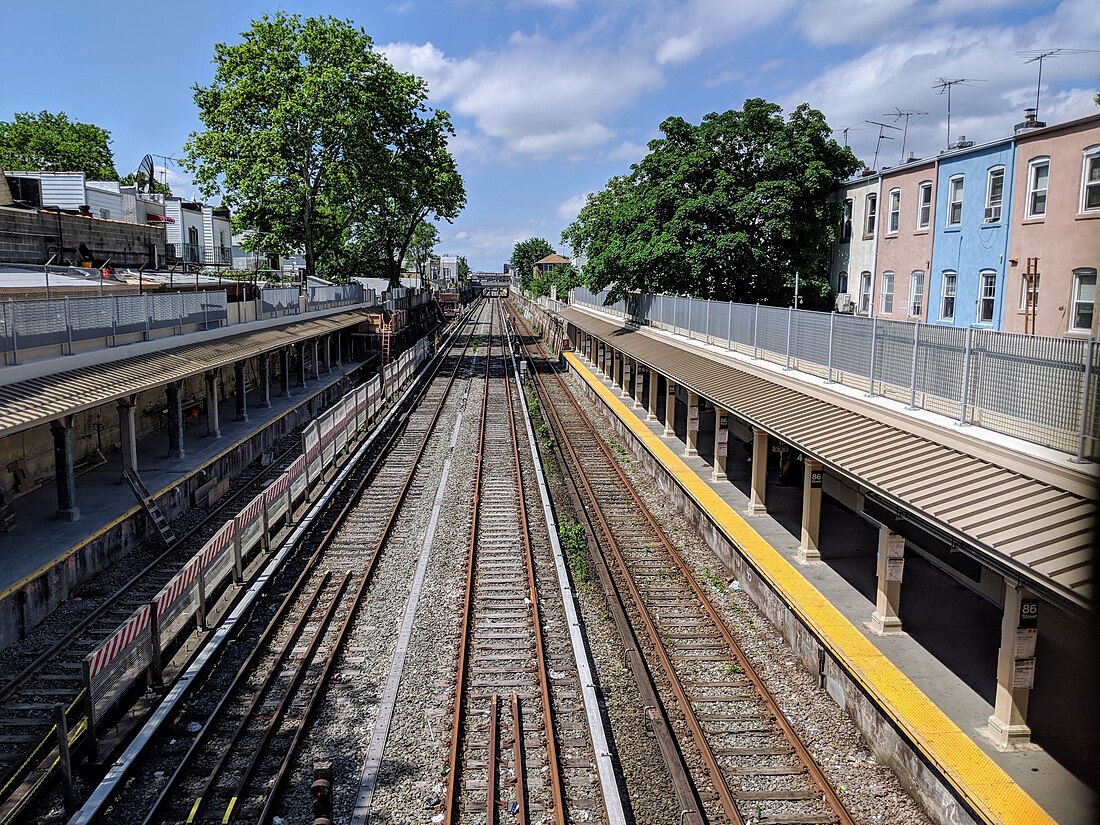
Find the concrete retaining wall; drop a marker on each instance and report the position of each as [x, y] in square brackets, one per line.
[882, 737]
[21, 610]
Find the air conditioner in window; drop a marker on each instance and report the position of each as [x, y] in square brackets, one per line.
[844, 303]
[992, 214]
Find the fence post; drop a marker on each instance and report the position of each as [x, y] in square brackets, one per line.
[871, 371]
[114, 321]
[913, 374]
[965, 399]
[829, 366]
[68, 325]
[205, 314]
[729, 326]
[179, 311]
[146, 302]
[14, 333]
[755, 331]
[156, 670]
[1083, 433]
[710, 304]
[790, 318]
[690, 302]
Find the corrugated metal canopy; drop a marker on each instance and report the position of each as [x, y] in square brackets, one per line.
[1018, 524]
[37, 401]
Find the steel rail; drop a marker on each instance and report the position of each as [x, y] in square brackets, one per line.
[557, 790]
[450, 813]
[799, 748]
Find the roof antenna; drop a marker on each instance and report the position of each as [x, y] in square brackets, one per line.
[1038, 56]
[904, 113]
[881, 137]
[942, 86]
[845, 132]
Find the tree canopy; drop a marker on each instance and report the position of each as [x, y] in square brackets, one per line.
[321, 147]
[424, 238]
[524, 255]
[138, 179]
[730, 208]
[46, 142]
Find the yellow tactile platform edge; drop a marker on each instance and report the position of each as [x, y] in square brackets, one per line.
[985, 786]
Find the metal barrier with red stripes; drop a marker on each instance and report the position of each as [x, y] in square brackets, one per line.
[111, 668]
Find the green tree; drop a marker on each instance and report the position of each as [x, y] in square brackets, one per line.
[463, 270]
[138, 179]
[321, 147]
[424, 239]
[731, 209]
[46, 142]
[524, 255]
[563, 276]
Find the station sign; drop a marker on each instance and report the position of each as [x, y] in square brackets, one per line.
[1029, 613]
[816, 477]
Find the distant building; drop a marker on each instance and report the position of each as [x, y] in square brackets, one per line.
[854, 252]
[546, 266]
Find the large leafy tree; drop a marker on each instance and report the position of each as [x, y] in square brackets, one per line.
[525, 254]
[46, 142]
[730, 208]
[424, 239]
[321, 147]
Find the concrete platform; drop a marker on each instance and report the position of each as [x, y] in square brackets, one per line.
[37, 544]
[951, 670]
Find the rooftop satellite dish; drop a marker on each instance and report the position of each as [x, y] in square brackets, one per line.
[145, 171]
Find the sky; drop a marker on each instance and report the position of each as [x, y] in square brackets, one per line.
[551, 98]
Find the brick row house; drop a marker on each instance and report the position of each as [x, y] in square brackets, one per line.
[1001, 235]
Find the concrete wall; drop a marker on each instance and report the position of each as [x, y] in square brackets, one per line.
[880, 734]
[30, 237]
[25, 608]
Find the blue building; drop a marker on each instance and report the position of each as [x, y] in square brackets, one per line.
[970, 250]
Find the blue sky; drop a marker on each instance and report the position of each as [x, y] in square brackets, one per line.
[551, 98]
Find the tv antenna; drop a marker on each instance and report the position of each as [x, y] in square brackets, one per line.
[904, 113]
[1038, 56]
[941, 85]
[881, 137]
[164, 167]
[845, 132]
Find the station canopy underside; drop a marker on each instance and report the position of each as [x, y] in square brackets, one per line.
[1041, 533]
[36, 401]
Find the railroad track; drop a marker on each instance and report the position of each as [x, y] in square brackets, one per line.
[235, 766]
[55, 676]
[745, 760]
[502, 655]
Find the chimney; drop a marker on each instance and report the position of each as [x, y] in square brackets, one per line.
[1031, 121]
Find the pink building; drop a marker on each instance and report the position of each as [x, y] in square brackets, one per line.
[905, 234]
[1055, 218]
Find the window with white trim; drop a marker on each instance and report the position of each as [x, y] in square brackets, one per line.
[1029, 290]
[947, 298]
[842, 283]
[865, 293]
[994, 194]
[846, 222]
[1084, 300]
[1038, 172]
[870, 216]
[1090, 181]
[924, 205]
[916, 293]
[987, 296]
[893, 218]
[955, 201]
[887, 303]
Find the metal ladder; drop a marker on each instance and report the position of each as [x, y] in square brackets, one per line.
[151, 508]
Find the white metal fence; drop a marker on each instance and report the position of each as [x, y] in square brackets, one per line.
[1039, 389]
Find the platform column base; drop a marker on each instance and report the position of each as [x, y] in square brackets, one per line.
[1008, 737]
[71, 514]
[808, 555]
[885, 625]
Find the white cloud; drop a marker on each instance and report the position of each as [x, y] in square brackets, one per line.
[533, 98]
[571, 207]
[683, 31]
[630, 152]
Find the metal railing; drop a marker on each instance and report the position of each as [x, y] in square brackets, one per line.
[1042, 390]
[65, 322]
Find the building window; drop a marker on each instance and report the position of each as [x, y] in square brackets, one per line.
[924, 207]
[865, 293]
[1084, 299]
[1090, 181]
[872, 213]
[916, 294]
[846, 222]
[887, 293]
[1038, 171]
[1031, 291]
[894, 218]
[955, 201]
[987, 297]
[947, 302]
[994, 194]
[842, 283]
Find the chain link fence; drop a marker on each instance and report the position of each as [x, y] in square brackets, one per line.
[1042, 390]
